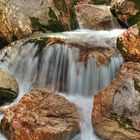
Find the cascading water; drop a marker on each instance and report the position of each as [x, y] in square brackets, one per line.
[57, 66]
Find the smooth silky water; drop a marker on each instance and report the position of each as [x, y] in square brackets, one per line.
[58, 68]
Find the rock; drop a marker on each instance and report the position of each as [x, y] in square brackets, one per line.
[129, 43]
[94, 17]
[101, 55]
[41, 115]
[127, 12]
[8, 87]
[22, 18]
[116, 114]
[82, 2]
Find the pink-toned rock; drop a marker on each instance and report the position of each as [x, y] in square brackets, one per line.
[96, 17]
[41, 115]
[116, 114]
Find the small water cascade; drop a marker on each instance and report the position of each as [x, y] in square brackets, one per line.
[57, 66]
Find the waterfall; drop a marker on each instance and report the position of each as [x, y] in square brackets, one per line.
[57, 66]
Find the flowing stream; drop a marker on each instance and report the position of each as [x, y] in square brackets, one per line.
[58, 67]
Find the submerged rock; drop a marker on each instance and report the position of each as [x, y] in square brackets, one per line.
[126, 11]
[96, 17]
[22, 18]
[41, 115]
[116, 114]
[129, 43]
[8, 87]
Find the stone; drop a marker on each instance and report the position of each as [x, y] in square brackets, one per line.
[116, 114]
[95, 17]
[127, 12]
[129, 43]
[41, 114]
[23, 18]
[8, 87]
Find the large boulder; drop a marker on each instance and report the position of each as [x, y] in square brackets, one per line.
[97, 17]
[129, 43]
[116, 114]
[8, 87]
[41, 115]
[22, 18]
[126, 11]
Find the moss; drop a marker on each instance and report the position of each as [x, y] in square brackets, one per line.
[14, 37]
[73, 20]
[136, 85]
[3, 42]
[75, 2]
[137, 4]
[52, 14]
[36, 25]
[7, 126]
[55, 26]
[123, 122]
[99, 2]
[134, 19]
[6, 95]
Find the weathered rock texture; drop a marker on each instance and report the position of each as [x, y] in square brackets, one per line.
[41, 115]
[127, 12]
[129, 43]
[96, 17]
[8, 87]
[22, 18]
[116, 114]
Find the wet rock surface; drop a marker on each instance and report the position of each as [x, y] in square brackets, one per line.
[96, 17]
[8, 87]
[129, 43]
[23, 18]
[41, 115]
[126, 11]
[116, 112]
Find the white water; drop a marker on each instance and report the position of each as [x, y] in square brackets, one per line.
[58, 68]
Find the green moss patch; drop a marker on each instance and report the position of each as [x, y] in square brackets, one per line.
[123, 122]
[99, 2]
[52, 14]
[3, 42]
[7, 126]
[36, 25]
[6, 95]
[134, 19]
[136, 85]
